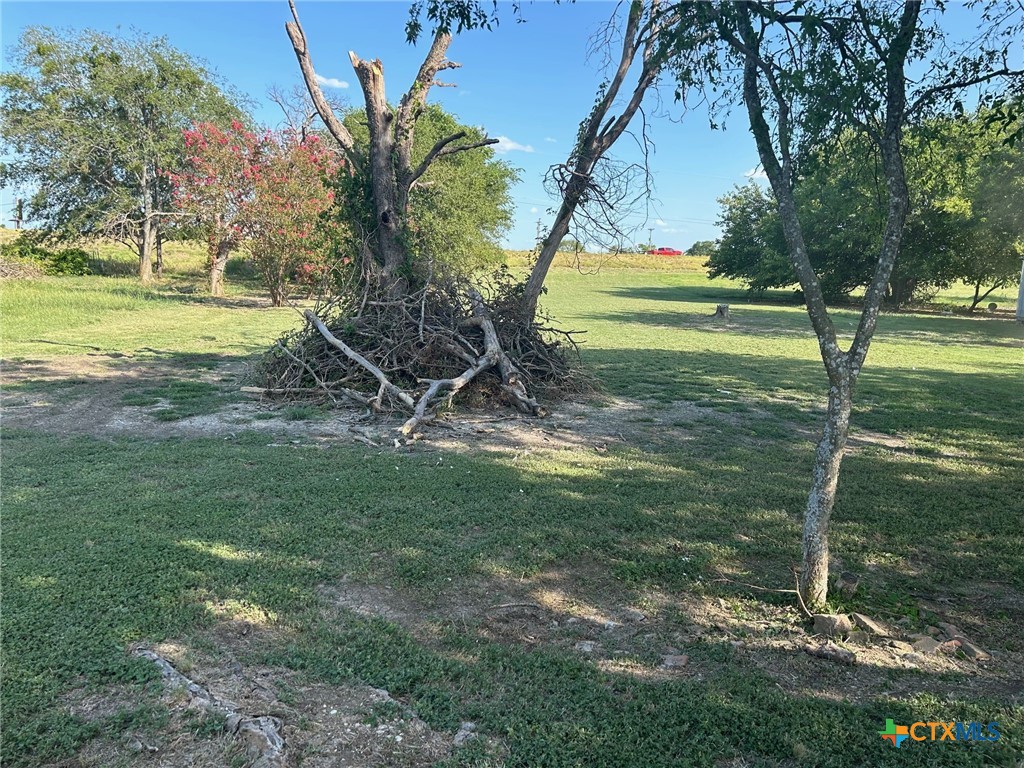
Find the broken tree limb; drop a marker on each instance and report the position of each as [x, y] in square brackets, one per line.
[262, 733]
[358, 359]
[511, 377]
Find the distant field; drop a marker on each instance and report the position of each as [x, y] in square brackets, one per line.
[528, 576]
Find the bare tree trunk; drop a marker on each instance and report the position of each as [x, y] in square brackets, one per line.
[218, 263]
[218, 249]
[149, 228]
[820, 501]
[160, 255]
[388, 163]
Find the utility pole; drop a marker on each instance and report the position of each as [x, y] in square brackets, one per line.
[539, 237]
[650, 237]
[19, 210]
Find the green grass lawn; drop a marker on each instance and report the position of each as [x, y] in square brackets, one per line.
[110, 540]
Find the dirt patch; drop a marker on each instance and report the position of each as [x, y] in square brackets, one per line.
[84, 395]
[336, 726]
[635, 634]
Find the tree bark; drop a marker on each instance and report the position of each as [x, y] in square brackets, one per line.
[149, 229]
[820, 501]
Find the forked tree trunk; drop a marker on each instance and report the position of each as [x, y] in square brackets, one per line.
[388, 163]
[820, 501]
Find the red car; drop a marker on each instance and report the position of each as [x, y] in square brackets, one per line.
[664, 252]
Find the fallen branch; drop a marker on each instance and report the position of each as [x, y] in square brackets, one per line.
[262, 734]
[358, 359]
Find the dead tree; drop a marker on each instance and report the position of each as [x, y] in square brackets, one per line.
[399, 337]
[389, 160]
[575, 179]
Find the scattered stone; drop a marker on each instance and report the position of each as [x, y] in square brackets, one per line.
[927, 645]
[847, 584]
[675, 661]
[950, 646]
[871, 626]
[950, 630]
[609, 624]
[933, 631]
[466, 732]
[633, 615]
[832, 624]
[914, 660]
[901, 647]
[972, 651]
[831, 652]
[586, 646]
[858, 637]
[737, 644]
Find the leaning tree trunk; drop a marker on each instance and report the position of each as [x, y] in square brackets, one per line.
[820, 501]
[597, 134]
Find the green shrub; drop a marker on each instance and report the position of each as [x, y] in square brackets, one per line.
[26, 247]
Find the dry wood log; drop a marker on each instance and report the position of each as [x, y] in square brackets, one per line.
[831, 652]
[722, 311]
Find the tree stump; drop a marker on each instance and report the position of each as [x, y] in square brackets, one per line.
[722, 311]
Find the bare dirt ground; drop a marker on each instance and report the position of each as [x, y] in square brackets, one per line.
[580, 610]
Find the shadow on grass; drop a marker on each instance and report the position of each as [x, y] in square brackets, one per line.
[762, 316]
[129, 540]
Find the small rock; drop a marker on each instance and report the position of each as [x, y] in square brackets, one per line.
[871, 626]
[972, 651]
[927, 645]
[901, 647]
[633, 615]
[847, 584]
[832, 624]
[609, 624]
[933, 631]
[675, 661]
[831, 652]
[949, 630]
[858, 637]
[466, 732]
[914, 659]
[737, 644]
[234, 668]
[586, 646]
[950, 646]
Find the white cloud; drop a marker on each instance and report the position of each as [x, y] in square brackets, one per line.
[331, 82]
[535, 209]
[660, 223]
[550, 140]
[757, 172]
[505, 145]
[672, 230]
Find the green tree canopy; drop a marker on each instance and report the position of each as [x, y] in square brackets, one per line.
[963, 223]
[93, 123]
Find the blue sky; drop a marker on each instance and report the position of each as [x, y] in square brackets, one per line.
[530, 82]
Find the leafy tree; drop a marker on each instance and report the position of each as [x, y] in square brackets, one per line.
[267, 191]
[569, 245]
[704, 248]
[957, 169]
[808, 71]
[93, 122]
